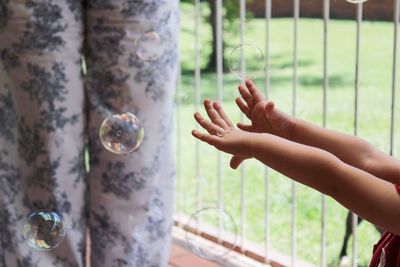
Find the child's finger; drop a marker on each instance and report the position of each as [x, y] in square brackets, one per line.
[254, 91]
[223, 115]
[210, 127]
[210, 139]
[214, 115]
[246, 96]
[199, 135]
[235, 162]
[245, 127]
[243, 107]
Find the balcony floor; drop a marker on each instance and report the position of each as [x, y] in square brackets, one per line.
[181, 256]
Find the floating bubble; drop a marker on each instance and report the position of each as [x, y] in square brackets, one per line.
[155, 214]
[180, 97]
[148, 236]
[207, 222]
[44, 230]
[121, 133]
[150, 46]
[220, 132]
[250, 59]
[149, 230]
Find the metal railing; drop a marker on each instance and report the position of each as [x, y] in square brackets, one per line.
[267, 84]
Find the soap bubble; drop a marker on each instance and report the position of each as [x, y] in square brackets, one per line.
[150, 46]
[148, 230]
[180, 97]
[206, 222]
[148, 235]
[44, 230]
[121, 133]
[252, 59]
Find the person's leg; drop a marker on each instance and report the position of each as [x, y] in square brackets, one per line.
[42, 127]
[131, 196]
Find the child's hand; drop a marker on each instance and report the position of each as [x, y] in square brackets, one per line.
[222, 133]
[265, 118]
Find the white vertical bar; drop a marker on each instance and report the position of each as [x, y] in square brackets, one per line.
[219, 58]
[267, 77]
[219, 19]
[357, 69]
[326, 8]
[197, 91]
[356, 107]
[396, 18]
[179, 176]
[267, 84]
[242, 168]
[296, 16]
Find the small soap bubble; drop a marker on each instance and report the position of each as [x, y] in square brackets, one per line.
[220, 132]
[150, 229]
[150, 46]
[156, 214]
[44, 230]
[121, 133]
[246, 62]
[180, 97]
[209, 220]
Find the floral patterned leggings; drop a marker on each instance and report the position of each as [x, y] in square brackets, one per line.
[50, 113]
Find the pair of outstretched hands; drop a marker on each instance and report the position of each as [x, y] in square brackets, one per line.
[222, 133]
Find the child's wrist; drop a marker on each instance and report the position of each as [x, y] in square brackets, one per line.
[292, 125]
[253, 145]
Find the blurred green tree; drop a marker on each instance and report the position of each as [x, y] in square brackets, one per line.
[230, 15]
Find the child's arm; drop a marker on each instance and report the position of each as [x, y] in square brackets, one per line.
[373, 199]
[350, 149]
[368, 196]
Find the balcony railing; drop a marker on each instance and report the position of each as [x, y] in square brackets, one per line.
[244, 246]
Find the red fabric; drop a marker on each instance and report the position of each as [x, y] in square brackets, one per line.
[398, 188]
[387, 250]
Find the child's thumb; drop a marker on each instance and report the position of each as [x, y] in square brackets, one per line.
[278, 120]
[235, 162]
[272, 114]
[269, 108]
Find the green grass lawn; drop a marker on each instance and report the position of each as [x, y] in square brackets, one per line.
[374, 124]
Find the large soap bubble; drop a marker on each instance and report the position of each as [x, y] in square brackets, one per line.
[121, 133]
[150, 46]
[44, 229]
[246, 62]
[207, 221]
